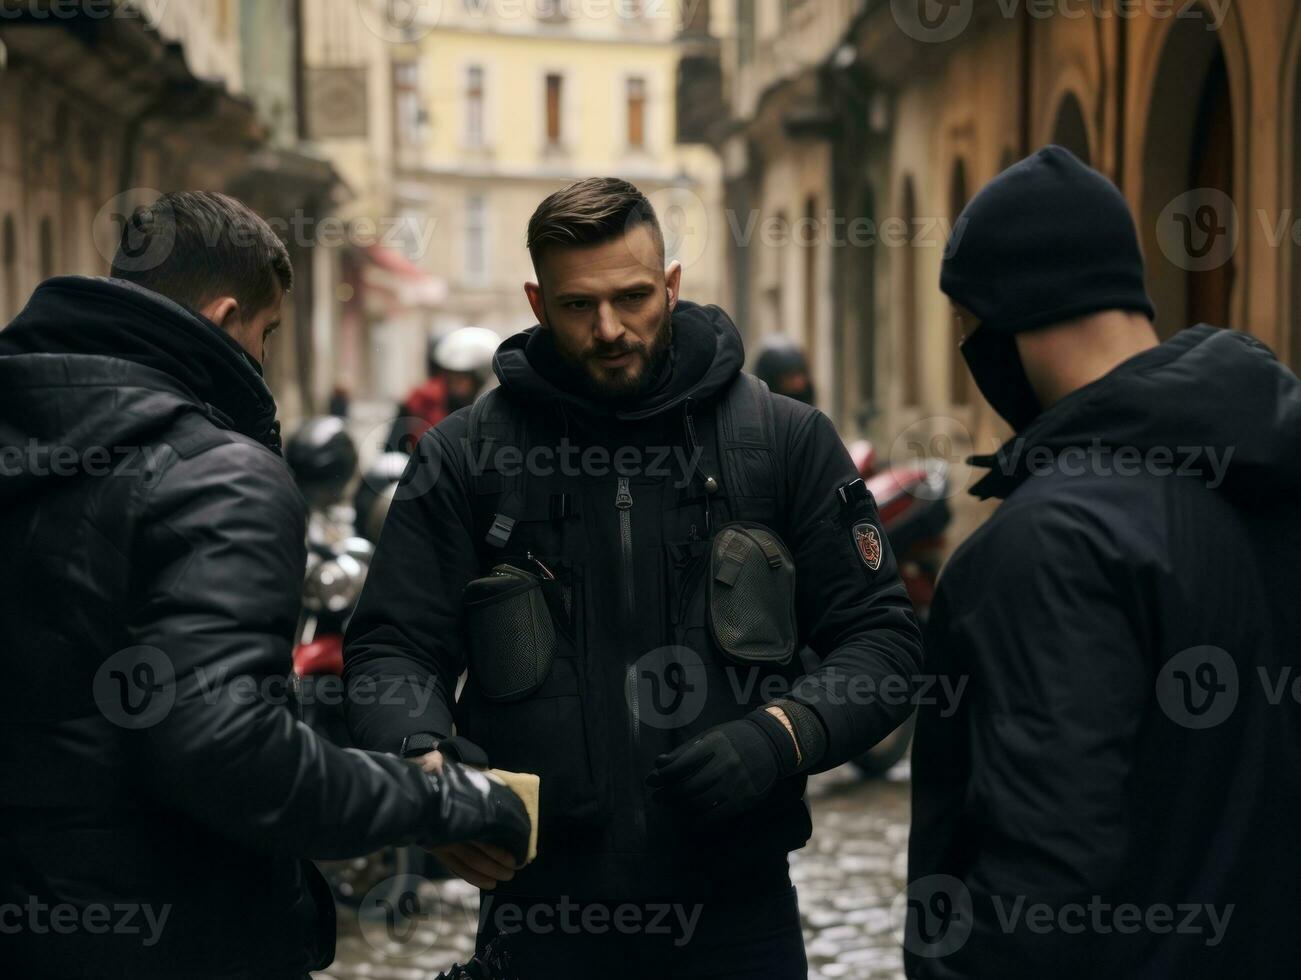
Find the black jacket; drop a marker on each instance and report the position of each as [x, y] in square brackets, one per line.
[151, 557]
[408, 624]
[1128, 743]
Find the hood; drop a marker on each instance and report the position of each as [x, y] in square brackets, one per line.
[101, 365]
[705, 357]
[1208, 401]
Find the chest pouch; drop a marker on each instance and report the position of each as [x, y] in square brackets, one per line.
[752, 594]
[510, 633]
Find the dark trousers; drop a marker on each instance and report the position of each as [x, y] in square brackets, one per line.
[743, 936]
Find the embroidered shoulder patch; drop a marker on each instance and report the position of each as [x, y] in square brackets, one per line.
[868, 541]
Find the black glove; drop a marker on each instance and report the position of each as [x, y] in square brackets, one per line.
[472, 807]
[726, 770]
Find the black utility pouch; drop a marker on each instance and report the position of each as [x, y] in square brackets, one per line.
[752, 594]
[511, 636]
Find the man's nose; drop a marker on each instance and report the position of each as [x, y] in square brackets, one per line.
[608, 327]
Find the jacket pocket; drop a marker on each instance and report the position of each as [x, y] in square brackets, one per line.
[530, 712]
[510, 633]
[751, 585]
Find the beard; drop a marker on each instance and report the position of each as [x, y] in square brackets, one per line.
[631, 380]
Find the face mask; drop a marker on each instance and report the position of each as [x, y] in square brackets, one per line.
[996, 367]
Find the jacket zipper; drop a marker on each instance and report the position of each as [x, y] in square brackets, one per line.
[623, 502]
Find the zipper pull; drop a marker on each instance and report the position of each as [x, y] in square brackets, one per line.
[546, 572]
[623, 497]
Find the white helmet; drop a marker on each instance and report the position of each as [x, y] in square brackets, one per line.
[468, 350]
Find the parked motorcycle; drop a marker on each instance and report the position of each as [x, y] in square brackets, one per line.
[323, 460]
[913, 501]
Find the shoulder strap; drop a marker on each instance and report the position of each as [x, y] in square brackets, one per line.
[752, 477]
[497, 423]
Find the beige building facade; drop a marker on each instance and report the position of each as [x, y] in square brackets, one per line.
[1190, 106]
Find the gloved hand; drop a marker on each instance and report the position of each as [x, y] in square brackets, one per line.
[726, 770]
[470, 806]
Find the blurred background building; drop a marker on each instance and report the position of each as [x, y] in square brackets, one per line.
[887, 115]
[808, 159]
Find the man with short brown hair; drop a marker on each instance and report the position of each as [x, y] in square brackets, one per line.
[627, 543]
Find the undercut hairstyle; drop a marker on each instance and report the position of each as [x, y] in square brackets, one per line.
[591, 212]
[197, 246]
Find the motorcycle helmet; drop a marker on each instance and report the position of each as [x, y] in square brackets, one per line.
[322, 458]
[467, 350]
[781, 365]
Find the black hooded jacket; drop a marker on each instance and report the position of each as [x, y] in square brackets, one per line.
[857, 621]
[1116, 793]
[154, 783]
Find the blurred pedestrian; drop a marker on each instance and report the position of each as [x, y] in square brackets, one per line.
[1116, 793]
[781, 365]
[459, 364]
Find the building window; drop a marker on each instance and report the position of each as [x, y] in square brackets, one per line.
[555, 97]
[474, 128]
[637, 113]
[745, 31]
[476, 238]
[409, 114]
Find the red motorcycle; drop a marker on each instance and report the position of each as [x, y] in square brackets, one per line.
[913, 500]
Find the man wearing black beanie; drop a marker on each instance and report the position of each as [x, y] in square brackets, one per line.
[1115, 793]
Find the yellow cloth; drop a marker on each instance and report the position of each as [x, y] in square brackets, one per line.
[526, 786]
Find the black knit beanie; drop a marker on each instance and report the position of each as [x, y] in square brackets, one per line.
[1047, 240]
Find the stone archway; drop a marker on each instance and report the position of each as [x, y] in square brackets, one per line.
[1189, 223]
[1070, 130]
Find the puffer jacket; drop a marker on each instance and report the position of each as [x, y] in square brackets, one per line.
[157, 794]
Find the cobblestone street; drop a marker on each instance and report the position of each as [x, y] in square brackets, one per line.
[849, 876]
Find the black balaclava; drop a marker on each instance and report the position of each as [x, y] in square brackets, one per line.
[1047, 240]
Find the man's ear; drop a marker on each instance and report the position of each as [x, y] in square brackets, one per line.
[223, 311]
[534, 293]
[673, 280]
